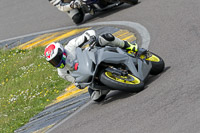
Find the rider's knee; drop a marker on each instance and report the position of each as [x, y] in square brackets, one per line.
[108, 37]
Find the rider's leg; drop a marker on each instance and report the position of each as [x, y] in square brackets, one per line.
[97, 94]
[109, 39]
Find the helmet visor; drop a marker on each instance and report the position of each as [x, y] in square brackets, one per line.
[57, 59]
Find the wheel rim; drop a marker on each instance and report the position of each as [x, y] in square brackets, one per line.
[130, 79]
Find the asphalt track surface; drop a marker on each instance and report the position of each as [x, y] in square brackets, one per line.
[170, 102]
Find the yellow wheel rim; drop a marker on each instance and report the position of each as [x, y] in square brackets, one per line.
[152, 58]
[123, 79]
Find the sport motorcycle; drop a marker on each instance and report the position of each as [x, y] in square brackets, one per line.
[114, 68]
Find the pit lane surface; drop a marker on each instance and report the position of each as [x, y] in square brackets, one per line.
[169, 103]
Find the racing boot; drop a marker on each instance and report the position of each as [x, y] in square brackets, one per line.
[130, 47]
[97, 95]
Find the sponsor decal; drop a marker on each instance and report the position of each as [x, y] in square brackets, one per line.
[49, 51]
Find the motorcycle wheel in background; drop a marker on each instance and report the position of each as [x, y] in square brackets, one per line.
[133, 2]
[128, 83]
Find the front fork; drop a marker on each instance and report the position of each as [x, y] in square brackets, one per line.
[141, 53]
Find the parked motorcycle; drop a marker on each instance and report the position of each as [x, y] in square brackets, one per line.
[92, 6]
[115, 69]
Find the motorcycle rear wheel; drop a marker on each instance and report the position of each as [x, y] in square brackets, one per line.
[157, 62]
[122, 83]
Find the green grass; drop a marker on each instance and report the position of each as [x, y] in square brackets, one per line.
[27, 84]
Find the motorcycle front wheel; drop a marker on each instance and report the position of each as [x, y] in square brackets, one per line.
[128, 83]
[157, 62]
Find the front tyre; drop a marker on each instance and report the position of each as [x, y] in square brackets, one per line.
[158, 63]
[128, 83]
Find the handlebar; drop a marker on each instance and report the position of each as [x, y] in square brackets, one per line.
[93, 42]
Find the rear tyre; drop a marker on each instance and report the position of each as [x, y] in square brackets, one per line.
[128, 83]
[133, 2]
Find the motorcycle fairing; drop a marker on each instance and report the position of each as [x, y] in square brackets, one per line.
[106, 55]
[89, 62]
[85, 68]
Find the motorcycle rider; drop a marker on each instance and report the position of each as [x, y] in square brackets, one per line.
[71, 7]
[64, 58]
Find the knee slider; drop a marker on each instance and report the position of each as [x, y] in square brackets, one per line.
[108, 37]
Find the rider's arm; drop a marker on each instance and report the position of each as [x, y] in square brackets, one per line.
[71, 46]
[65, 74]
[60, 5]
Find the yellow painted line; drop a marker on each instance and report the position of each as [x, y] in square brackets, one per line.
[48, 36]
[125, 35]
[70, 92]
[53, 37]
[120, 33]
[34, 40]
[45, 129]
[130, 38]
[68, 34]
[40, 38]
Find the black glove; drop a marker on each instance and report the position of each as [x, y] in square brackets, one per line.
[93, 38]
[75, 4]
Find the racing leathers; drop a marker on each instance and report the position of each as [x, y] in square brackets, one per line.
[71, 7]
[105, 39]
